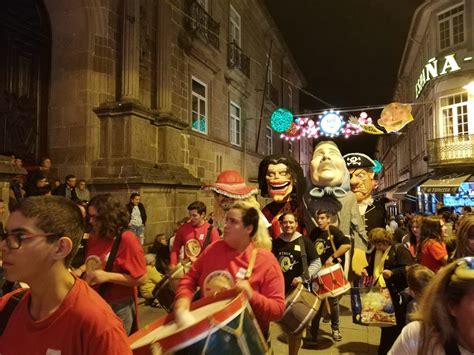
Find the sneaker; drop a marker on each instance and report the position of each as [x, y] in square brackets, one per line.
[336, 335]
[283, 337]
[309, 343]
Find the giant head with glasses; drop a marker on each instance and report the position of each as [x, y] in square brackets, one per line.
[445, 318]
[42, 234]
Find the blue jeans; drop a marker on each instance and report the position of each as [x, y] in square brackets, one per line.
[139, 232]
[125, 310]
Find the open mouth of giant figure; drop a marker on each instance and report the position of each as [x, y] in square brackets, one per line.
[278, 190]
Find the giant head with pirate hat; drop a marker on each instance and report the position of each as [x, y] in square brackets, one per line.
[363, 170]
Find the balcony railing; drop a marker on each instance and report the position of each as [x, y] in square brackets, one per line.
[272, 93]
[202, 23]
[451, 150]
[238, 59]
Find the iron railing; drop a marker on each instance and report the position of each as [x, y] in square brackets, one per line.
[237, 59]
[202, 23]
[451, 150]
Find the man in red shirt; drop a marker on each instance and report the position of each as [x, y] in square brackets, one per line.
[192, 235]
[59, 314]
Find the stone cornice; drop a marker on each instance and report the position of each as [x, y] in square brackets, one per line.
[123, 108]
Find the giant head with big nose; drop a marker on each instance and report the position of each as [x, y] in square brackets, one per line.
[327, 167]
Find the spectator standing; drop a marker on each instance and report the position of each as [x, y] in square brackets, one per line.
[465, 237]
[137, 216]
[59, 314]
[432, 248]
[192, 235]
[82, 192]
[68, 189]
[109, 220]
[412, 239]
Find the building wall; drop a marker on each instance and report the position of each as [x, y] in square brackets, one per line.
[120, 98]
[424, 145]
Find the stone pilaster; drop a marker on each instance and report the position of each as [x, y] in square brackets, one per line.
[131, 51]
[164, 52]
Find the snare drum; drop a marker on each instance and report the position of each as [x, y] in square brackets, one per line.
[165, 290]
[301, 307]
[225, 324]
[330, 282]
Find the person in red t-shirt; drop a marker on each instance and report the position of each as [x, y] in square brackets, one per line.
[59, 314]
[223, 266]
[192, 235]
[432, 248]
[109, 219]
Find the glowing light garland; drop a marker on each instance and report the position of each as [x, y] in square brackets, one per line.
[330, 124]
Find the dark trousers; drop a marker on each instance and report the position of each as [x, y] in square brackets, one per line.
[334, 307]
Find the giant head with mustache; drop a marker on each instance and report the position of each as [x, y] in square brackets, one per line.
[331, 191]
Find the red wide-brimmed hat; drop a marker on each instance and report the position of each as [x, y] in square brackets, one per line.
[231, 184]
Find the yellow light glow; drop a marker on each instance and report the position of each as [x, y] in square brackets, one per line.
[469, 87]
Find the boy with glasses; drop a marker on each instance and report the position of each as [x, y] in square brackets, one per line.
[59, 313]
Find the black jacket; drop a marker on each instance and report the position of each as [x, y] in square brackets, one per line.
[141, 208]
[61, 191]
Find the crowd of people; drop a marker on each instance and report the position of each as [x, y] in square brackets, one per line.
[85, 264]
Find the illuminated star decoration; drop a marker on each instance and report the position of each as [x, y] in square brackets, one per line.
[330, 124]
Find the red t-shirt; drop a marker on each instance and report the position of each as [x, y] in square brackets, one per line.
[432, 254]
[83, 324]
[130, 260]
[192, 239]
[220, 266]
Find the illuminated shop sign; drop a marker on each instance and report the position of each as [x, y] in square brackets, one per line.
[435, 68]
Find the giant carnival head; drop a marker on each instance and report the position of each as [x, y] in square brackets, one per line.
[281, 178]
[362, 169]
[229, 187]
[327, 167]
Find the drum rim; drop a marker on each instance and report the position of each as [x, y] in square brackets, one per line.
[237, 302]
[329, 269]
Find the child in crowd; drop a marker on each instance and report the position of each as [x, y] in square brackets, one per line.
[153, 277]
[161, 251]
[418, 278]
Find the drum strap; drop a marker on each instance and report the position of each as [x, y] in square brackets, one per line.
[304, 259]
[331, 240]
[110, 261]
[253, 257]
[208, 237]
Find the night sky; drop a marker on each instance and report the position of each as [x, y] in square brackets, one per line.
[348, 50]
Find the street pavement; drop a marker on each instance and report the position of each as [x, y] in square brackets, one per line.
[356, 339]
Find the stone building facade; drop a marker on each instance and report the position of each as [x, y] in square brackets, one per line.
[154, 96]
[436, 75]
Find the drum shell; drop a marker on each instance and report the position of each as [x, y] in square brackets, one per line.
[330, 282]
[191, 340]
[301, 307]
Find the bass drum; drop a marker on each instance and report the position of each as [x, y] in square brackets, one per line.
[224, 324]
